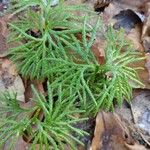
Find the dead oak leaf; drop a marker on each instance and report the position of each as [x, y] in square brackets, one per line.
[111, 134]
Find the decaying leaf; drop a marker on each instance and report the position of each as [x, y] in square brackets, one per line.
[141, 110]
[135, 147]
[111, 134]
[136, 117]
[20, 145]
[98, 50]
[100, 5]
[10, 80]
[146, 29]
[132, 4]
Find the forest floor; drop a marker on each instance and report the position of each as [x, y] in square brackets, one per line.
[129, 127]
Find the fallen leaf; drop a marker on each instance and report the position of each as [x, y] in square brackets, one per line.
[141, 110]
[109, 12]
[111, 134]
[135, 147]
[100, 5]
[10, 67]
[4, 32]
[10, 80]
[136, 116]
[19, 145]
[146, 29]
[98, 50]
[131, 4]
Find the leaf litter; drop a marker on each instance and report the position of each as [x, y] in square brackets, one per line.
[121, 130]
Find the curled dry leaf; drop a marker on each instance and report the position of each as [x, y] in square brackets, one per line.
[9, 79]
[109, 12]
[135, 147]
[111, 134]
[132, 24]
[146, 29]
[141, 111]
[127, 19]
[136, 117]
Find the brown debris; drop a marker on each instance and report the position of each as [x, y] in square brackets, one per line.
[136, 116]
[98, 50]
[20, 145]
[100, 5]
[3, 35]
[10, 81]
[146, 29]
[111, 134]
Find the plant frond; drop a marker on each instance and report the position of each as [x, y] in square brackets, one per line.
[52, 130]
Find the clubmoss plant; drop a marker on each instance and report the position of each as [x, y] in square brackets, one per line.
[50, 48]
[40, 31]
[64, 58]
[98, 85]
[49, 123]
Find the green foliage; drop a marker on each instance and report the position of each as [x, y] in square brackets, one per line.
[56, 45]
[69, 60]
[97, 86]
[40, 32]
[50, 122]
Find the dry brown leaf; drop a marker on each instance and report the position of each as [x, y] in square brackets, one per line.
[146, 29]
[141, 110]
[132, 4]
[109, 12]
[135, 147]
[111, 134]
[136, 117]
[10, 67]
[4, 32]
[20, 145]
[10, 80]
[135, 37]
[99, 5]
[98, 50]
